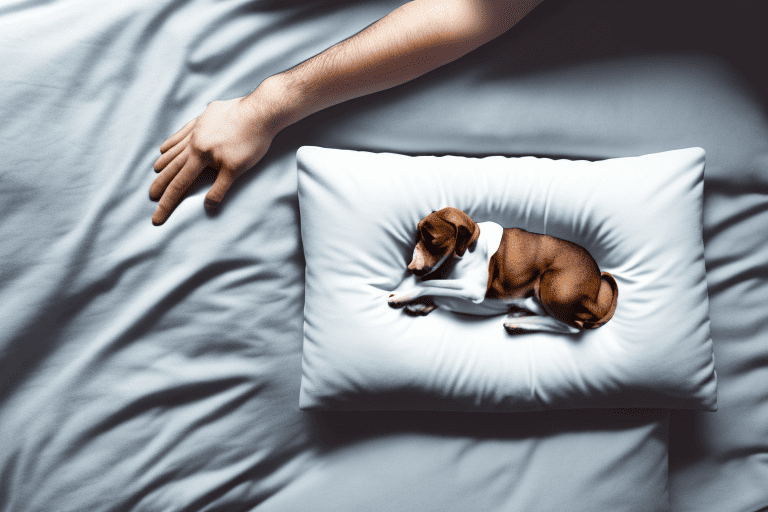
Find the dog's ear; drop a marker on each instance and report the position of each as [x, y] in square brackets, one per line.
[465, 237]
[467, 230]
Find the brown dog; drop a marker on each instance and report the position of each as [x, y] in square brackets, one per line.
[492, 270]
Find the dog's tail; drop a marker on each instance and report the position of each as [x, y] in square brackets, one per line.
[607, 298]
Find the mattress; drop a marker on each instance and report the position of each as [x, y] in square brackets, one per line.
[158, 368]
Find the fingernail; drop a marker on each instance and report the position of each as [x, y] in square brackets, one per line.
[211, 205]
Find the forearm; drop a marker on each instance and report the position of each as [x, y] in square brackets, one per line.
[410, 41]
[232, 136]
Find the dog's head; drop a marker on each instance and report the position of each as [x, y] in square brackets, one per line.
[440, 235]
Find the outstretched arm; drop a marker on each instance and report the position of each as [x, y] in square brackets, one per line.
[231, 136]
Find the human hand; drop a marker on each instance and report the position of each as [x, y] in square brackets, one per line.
[229, 136]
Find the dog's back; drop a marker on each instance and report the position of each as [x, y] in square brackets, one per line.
[562, 274]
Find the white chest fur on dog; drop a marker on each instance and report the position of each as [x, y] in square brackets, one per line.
[463, 289]
[469, 273]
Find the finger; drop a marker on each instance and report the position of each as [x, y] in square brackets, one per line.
[166, 176]
[176, 137]
[176, 190]
[216, 194]
[172, 153]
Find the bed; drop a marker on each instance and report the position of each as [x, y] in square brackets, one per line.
[153, 368]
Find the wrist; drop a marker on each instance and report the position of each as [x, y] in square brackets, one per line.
[274, 103]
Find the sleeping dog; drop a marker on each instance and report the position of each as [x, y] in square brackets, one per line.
[541, 282]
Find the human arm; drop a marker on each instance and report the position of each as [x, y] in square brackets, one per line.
[231, 136]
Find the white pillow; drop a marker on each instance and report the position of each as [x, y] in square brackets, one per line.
[640, 218]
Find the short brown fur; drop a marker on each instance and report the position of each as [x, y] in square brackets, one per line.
[562, 274]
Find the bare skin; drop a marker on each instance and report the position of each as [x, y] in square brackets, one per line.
[231, 136]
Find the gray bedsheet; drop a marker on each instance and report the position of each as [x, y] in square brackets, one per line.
[146, 368]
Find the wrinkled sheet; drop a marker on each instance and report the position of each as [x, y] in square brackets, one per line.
[146, 368]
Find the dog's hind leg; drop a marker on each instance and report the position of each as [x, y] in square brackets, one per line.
[603, 308]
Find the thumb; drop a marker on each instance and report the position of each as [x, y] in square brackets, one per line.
[216, 194]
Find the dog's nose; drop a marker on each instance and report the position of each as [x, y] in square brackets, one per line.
[413, 269]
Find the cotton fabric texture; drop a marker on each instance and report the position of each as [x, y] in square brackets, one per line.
[640, 218]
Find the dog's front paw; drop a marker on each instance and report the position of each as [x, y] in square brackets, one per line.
[401, 300]
[513, 326]
[417, 309]
[518, 312]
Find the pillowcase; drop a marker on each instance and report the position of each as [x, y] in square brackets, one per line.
[640, 218]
